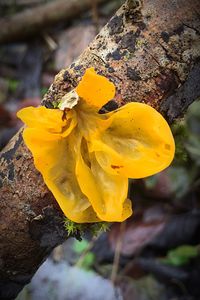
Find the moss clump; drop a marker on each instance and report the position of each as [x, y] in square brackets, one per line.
[77, 230]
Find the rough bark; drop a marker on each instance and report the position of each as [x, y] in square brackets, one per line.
[150, 50]
[31, 21]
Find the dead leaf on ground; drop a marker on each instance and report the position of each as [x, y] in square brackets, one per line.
[136, 235]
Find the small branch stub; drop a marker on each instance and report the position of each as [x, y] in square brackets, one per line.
[69, 100]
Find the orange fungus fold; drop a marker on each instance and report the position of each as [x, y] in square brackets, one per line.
[86, 158]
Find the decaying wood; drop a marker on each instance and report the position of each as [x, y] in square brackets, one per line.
[151, 51]
[31, 21]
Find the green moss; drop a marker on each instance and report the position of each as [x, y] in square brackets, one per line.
[98, 228]
[77, 230]
[74, 229]
[55, 104]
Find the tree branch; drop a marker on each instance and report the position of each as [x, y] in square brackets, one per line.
[150, 50]
[31, 21]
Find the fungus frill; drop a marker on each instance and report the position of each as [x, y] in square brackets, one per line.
[86, 158]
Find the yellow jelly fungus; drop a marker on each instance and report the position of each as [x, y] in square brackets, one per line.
[86, 158]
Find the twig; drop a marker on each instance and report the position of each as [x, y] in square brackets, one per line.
[32, 21]
[117, 252]
[50, 42]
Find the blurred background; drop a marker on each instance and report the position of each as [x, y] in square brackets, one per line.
[153, 255]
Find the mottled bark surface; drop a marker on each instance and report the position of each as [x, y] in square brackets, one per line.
[151, 51]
